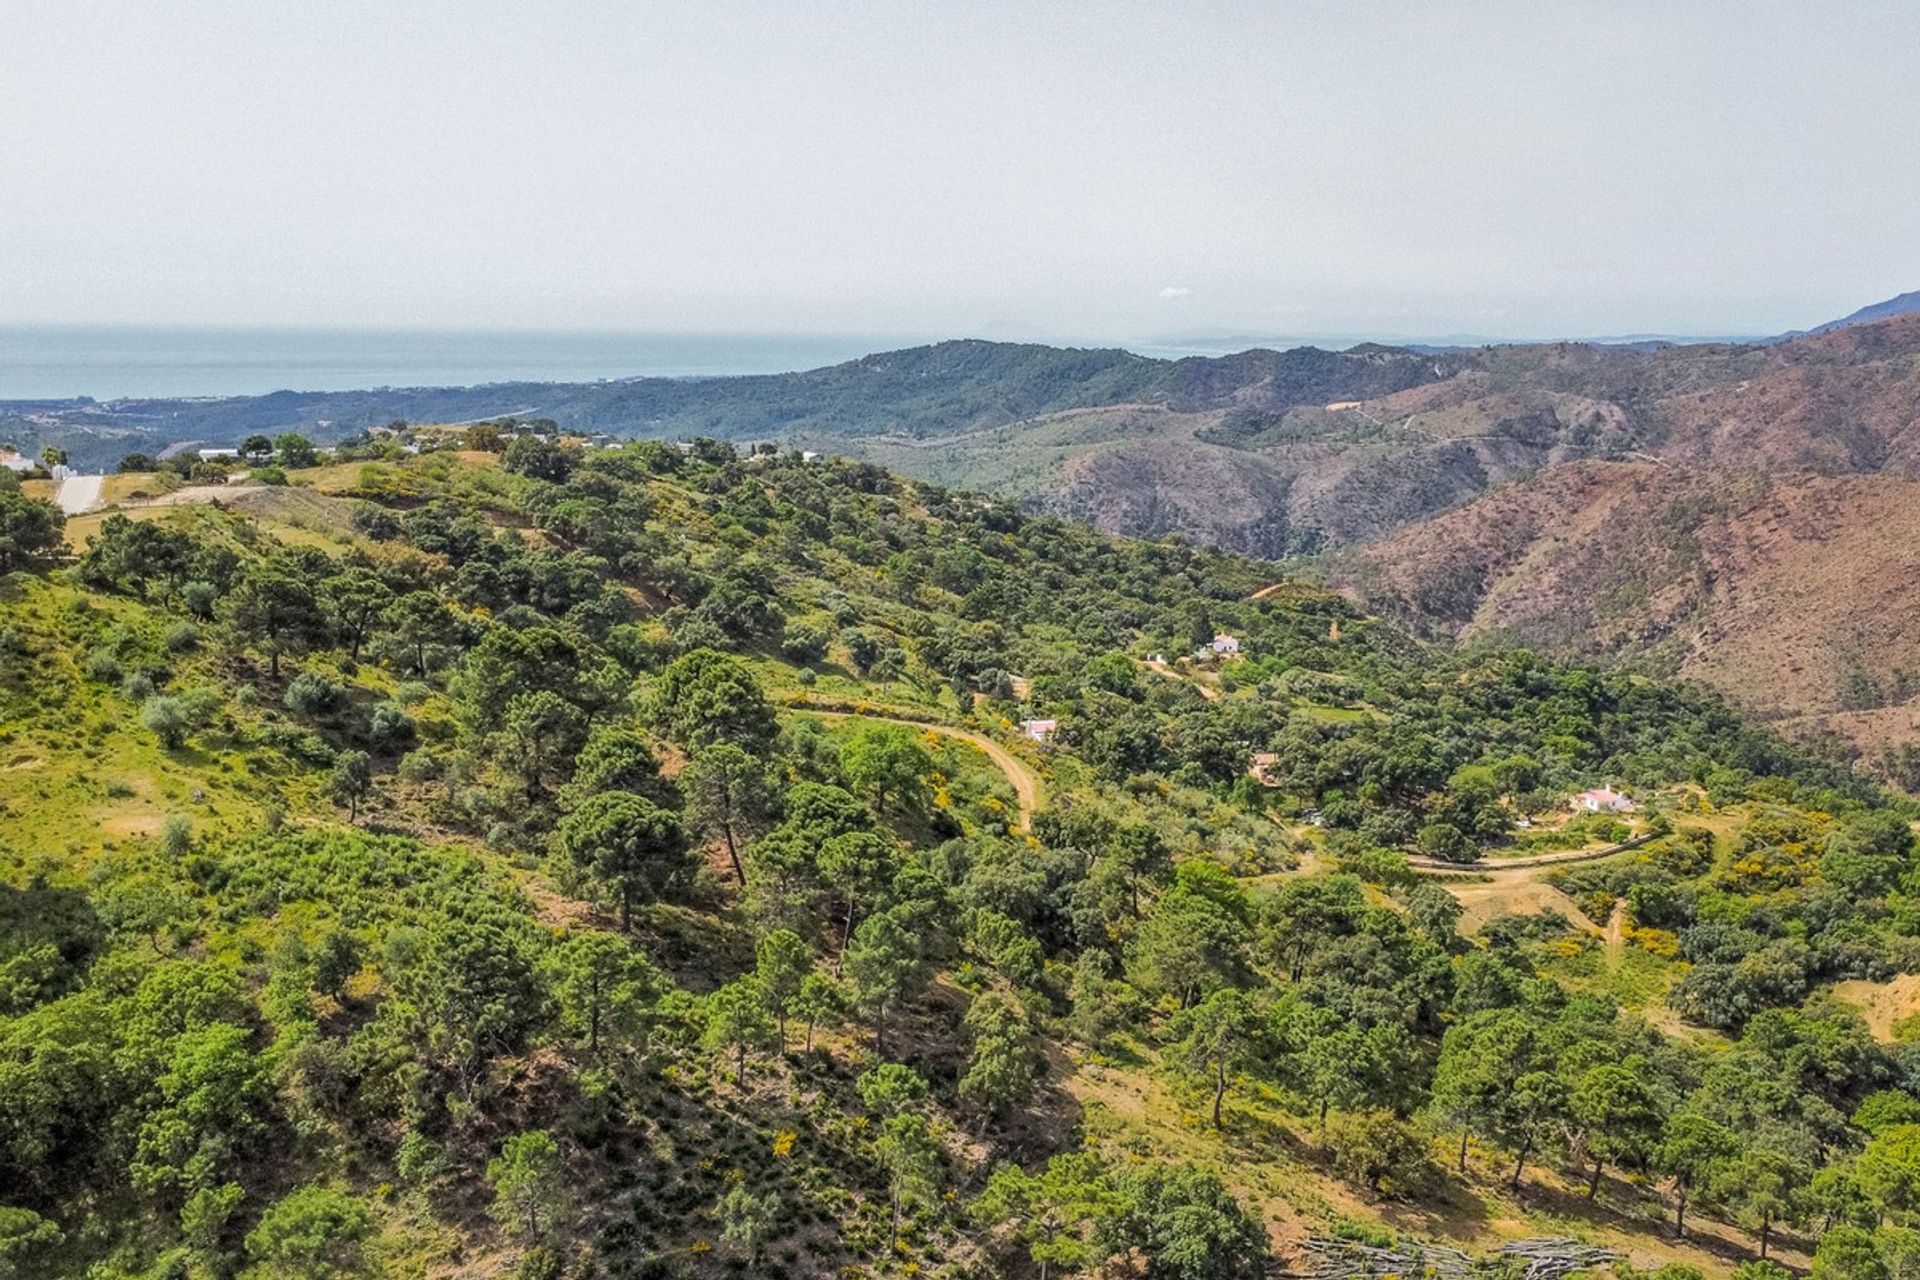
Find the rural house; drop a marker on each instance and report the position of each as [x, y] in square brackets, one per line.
[1602, 800]
[1040, 730]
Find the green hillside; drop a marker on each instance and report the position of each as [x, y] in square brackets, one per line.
[630, 862]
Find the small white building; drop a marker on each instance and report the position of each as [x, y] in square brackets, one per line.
[214, 455]
[1225, 646]
[16, 462]
[1602, 800]
[1040, 730]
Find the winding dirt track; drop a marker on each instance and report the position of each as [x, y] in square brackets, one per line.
[1206, 691]
[1026, 787]
[1486, 865]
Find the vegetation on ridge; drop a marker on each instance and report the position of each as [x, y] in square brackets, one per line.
[527, 860]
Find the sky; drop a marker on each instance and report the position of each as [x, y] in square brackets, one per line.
[1069, 171]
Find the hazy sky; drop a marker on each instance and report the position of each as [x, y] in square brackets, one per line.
[1067, 170]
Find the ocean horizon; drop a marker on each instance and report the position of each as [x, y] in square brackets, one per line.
[114, 362]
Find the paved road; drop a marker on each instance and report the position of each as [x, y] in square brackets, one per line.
[78, 493]
[1025, 786]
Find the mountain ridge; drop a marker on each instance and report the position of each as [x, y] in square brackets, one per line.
[1374, 452]
[929, 390]
[1899, 305]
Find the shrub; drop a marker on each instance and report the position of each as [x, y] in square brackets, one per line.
[315, 696]
[1379, 1152]
[389, 726]
[312, 1231]
[411, 693]
[1446, 842]
[168, 718]
[805, 642]
[200, 597]
[419, 766]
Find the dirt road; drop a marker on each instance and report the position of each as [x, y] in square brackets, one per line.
[1514, 893]
[1419, 863]
[195, 494]
[1162, 669]
[1026, 787]
[1616, 934]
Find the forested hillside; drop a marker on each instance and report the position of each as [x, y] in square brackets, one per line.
[555, 862]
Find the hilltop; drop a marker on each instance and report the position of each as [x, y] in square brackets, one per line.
[526, 859]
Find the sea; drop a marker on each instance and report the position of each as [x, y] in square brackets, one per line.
[106, 362]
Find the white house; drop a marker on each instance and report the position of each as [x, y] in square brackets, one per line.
[1040, 730]
[1226, 646]
[1602, 800]
[16, 462]
[209, 455]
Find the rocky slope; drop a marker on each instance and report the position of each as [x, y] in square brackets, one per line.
[1796, 593]
[1272, 466]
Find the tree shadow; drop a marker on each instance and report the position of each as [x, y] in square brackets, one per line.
[186, 753]
[1451, 1211]
[1706, 1234]
[699, 952]
[1049, 1119]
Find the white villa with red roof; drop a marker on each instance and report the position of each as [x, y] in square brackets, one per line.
[1602, 800]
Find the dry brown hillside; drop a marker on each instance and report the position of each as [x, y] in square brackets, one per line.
[1798, 594]
[1228, 453]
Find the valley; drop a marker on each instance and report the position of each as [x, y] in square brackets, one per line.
[521, 858]
[878, 641]
[1715, 512]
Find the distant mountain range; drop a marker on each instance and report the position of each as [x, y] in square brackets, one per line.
[1899, 305]
[1214, 342]
[919, 393]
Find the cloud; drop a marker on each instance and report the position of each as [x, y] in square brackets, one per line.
[1174, 291]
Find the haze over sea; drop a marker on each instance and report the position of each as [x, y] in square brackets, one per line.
[111, 362]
